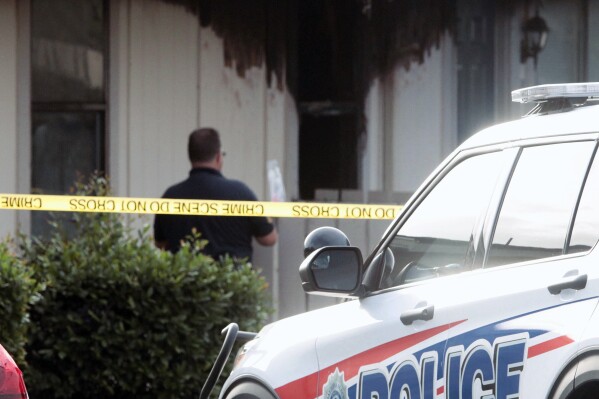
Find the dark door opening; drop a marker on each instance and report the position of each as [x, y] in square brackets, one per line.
[326, 78]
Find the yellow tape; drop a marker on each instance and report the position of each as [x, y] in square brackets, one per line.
[66, 203]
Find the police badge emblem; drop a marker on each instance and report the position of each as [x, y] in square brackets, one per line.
[335, 387]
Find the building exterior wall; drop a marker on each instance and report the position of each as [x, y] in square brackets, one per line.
[257, 122]
[411, 121]
[8, 109]
[162, 94]
[167, 76]
[423, 131]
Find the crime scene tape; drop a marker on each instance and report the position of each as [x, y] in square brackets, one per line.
[68, 203]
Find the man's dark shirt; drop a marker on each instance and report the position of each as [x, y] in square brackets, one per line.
[225, 234]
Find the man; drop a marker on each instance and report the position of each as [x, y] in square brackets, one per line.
[225, 234]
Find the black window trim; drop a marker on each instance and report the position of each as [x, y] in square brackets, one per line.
[496, 210]
[578, 199]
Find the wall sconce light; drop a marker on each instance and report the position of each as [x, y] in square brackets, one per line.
[534, 38]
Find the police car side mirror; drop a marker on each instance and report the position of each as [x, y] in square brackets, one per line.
[332, 271]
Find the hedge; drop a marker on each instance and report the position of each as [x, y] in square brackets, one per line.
[18, 291]
[116, 317]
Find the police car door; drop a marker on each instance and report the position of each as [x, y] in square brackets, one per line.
[526, 309]
[395, 344]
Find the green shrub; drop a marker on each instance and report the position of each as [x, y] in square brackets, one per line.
[120, 318]
[18, 292]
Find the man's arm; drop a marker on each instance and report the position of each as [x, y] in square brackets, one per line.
[270, 239]
[161, 244]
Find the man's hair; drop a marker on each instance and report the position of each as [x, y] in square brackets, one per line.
[203, 145]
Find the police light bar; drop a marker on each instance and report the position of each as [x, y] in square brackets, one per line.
[546, 92]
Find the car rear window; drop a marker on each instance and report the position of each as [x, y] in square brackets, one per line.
[537, 209]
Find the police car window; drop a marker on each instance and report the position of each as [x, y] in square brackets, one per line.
[585, 233]
[437, 237]
[539, 203]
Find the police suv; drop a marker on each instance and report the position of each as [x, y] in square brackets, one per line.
[485, 286]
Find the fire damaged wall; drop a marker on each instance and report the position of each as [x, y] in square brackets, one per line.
[260, 32]
[326, 54]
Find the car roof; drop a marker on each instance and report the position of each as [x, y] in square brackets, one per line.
[583, 119]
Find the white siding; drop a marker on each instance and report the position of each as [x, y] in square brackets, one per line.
[236, 108]
[559, 61]
[411, 122]
[162, 94]
[167, 78]
[118, 95]
[373, 161]
[419, 127]
[8, 110]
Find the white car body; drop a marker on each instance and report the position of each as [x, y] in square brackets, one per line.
[520, 330]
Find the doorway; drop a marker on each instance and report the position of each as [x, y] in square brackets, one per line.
[327, 61]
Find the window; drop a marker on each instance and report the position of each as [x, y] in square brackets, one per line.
[539, 203]
[68, 79]
[438, 237]
[585, 233]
